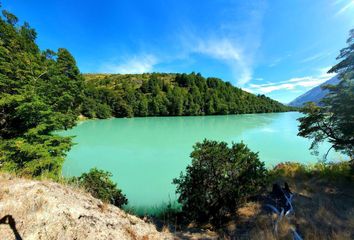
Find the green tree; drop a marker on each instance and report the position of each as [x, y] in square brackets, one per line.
[64, 87]
[346, 66]
[143, 106]
[218, 179]
[176, 95]
[103, 111]
[334, 119]
[29, 114]
[99, 184]
[175, 99]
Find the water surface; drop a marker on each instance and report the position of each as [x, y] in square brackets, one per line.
[145, 154]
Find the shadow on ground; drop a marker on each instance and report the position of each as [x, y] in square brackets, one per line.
[8, 219]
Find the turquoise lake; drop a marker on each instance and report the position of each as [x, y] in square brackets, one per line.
[145, 154]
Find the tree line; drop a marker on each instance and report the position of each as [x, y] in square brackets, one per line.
[162, 94]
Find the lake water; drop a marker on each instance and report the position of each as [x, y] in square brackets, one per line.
[145, 154]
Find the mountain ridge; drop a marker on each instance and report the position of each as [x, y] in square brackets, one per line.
[314, 94]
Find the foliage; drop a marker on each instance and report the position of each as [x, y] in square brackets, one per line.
[346, 65]
[40, 92]
[326, 170]
[218, 180]
[161, 94]
[334, 121]
[98, 183]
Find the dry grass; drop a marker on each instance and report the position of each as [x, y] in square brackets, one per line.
[323, 203]
[249, 210]
[103, 206]
[131, 233]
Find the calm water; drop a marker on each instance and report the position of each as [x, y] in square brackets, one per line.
[145, 154]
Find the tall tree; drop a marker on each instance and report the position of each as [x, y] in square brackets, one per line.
[334, 121]
[31, 86]
[64, 87]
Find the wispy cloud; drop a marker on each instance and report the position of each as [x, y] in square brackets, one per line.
[292, 83]
[135, 64]
[232, 41]
[344, 8]
[338, 2]
[314, 57]
[275, 62]
[228, 51]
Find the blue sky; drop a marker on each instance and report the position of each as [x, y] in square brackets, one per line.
[280, 48]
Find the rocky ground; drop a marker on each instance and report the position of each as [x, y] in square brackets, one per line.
[46, 210]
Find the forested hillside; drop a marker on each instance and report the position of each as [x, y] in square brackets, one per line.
[163, 94]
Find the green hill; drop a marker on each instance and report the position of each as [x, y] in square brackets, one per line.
[169, 94]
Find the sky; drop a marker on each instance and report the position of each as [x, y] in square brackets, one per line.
[280, 48]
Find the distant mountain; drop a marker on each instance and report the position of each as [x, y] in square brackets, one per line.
[315, 94]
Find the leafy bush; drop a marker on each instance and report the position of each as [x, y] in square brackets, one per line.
[218, 180]
[98, 183]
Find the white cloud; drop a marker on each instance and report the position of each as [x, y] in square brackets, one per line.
[338, 2]
[231, 41]
[314, 57]
[345, 8]
[228, 51]
[135, 64]
[275, 62]
[248, 90]
[292, 84]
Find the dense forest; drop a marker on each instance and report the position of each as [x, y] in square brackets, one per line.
[163, 94]
[44, 91]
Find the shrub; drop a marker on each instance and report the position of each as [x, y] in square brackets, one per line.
[98, 183]
[103, 111]
[218, 180]
[326, 170]
[289, 169]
